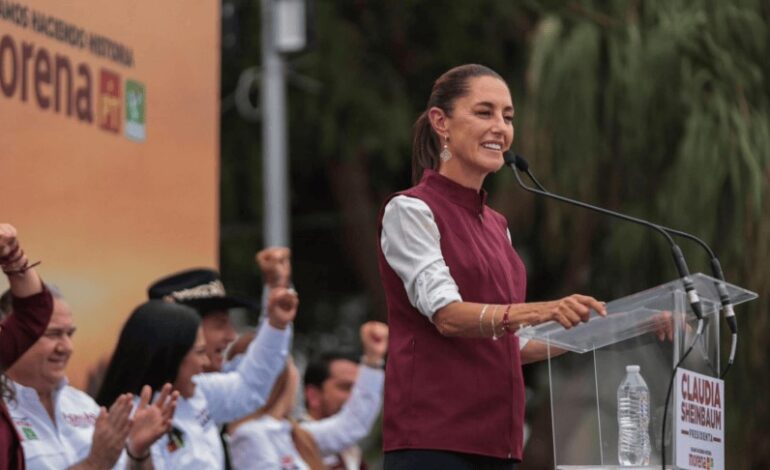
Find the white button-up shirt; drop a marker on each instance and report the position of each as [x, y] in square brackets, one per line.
[58, 443]
[221, 397]
[266, 443]
[411, 244]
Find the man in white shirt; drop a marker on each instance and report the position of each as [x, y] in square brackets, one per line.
[61, 426]
[328, 383]
[266, 439]
[203, 290]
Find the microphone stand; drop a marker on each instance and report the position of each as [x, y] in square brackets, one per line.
[679, 262]
[716, 269]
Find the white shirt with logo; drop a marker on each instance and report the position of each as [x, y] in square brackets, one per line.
[266, 443]
[219, 398]
[59, 443]
[194, 439]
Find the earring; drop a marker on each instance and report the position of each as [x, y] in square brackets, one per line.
[445, 154]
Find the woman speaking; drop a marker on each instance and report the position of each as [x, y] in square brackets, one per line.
[455, 288]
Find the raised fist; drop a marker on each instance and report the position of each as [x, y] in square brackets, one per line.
[374, 339]
[282, 307]
[11, 255]
[275, 264]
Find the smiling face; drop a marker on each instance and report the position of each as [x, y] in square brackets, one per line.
[44, 365]
[219, 333]
[194, 363]
[477, 131]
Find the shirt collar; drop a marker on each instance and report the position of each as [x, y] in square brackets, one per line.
[455, 192]
[23, 390]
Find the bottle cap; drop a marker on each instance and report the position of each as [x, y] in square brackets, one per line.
[632, 368]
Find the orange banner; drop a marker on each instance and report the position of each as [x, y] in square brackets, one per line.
[109, 146]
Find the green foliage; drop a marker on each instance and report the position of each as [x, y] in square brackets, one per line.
[657, 108]
[661, 109]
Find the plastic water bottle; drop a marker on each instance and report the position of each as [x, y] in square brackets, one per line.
[633, 419]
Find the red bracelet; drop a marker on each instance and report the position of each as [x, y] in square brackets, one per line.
[506, 320]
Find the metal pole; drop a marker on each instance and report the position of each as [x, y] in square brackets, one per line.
[275, 175]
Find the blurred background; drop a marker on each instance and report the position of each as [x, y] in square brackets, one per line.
[659, 109]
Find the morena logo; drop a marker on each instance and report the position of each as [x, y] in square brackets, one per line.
[53, 83]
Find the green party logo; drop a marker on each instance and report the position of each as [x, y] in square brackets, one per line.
[29, 434]
[136, 110]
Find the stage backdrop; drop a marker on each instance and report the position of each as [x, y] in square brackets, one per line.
[109, 147]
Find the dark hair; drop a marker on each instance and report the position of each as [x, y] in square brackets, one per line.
[317, 371]
[450, 86]
[152, 345]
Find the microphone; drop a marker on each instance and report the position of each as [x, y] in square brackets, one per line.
[679, 261]
[716, 268]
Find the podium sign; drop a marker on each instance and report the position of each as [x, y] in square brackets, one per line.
[700, 421]
[652, 329]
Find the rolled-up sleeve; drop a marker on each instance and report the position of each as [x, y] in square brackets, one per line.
[410, 241]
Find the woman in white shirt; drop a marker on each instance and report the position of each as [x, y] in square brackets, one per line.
[269, 439]
[163, 342]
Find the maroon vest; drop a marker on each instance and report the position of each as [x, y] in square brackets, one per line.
[456, 394]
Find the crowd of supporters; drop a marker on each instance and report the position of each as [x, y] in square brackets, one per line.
[169, 397]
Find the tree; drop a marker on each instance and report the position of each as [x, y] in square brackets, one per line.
[655, 108]
[661, 109]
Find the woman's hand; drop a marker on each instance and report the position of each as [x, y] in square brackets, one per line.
[568, 311]
[151, 421]
[374, 339]
[467, 319]
[282, 307]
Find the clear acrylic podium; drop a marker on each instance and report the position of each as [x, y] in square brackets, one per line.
[583, 386]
